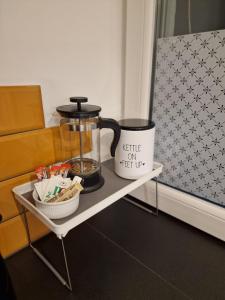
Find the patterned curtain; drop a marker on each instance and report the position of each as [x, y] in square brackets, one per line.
[167, 14]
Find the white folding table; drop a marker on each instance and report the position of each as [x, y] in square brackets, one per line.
[90, 204]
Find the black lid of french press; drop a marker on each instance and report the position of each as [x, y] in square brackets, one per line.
[78, 111]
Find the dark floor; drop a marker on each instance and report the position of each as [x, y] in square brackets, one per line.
[125, 253]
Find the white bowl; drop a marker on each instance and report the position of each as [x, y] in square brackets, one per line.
[57, 210]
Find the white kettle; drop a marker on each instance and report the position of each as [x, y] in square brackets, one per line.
[135, 150]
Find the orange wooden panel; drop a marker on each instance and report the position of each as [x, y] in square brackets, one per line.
[13, 234]
[37, 228]
[20, 109]
[22, 152]
[9, 207]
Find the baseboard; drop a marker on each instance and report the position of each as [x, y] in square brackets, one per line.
[201, 214]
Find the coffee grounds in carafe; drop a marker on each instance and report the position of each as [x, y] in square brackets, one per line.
[86, 166]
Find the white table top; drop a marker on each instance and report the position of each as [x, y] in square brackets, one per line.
[90, 204]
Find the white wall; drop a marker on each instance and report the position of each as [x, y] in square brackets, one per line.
[70, 48]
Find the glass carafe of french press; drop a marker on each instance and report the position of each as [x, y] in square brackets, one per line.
[80, 134]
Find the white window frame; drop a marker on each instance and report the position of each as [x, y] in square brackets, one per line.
[140, 20]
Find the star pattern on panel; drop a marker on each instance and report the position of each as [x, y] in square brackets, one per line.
[189, 111]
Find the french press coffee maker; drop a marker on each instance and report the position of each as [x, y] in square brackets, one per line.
[80, 134]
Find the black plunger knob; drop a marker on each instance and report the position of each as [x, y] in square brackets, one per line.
[79, 100]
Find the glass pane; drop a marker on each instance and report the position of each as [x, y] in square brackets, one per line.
[188, 100]
[81, 144]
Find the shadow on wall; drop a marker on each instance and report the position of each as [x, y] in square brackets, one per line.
[106, 140]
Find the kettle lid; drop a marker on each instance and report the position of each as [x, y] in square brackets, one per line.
[136, 124]
[78, 111]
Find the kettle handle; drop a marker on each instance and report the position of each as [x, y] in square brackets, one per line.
[114, 125]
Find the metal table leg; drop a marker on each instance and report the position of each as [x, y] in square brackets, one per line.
[144, 205]
[46, 261]
[156, 196]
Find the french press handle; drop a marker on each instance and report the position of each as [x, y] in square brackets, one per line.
[78, 100]
[114, 125]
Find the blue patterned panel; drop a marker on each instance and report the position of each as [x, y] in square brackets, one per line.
[189, 111]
